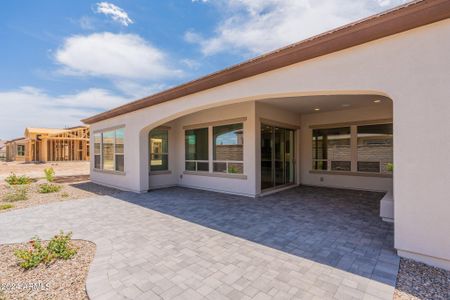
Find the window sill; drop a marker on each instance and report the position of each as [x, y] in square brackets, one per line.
[348, 173]
[221, 175]
[109, 172]
[160, 172]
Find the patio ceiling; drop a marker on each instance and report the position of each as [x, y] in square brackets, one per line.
[324, 103]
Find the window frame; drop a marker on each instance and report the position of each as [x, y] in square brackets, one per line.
[353, 148]
[208, 151]
[21, 153]
[101, 167]
[357, 155]
[227, 162]
[162, 153]
[210, 161]
[329, 161]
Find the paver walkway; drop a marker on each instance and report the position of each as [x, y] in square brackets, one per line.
[178, 243]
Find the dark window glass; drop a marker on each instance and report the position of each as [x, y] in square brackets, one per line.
[228, 148]
[331, 149]
[21, 150]
[375, 148]
[159, 150]
[108, 150]
[196, 144]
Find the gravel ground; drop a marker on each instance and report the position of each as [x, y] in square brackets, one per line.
[64, 279]
[417, 281]
[70, 190]
[36, 170]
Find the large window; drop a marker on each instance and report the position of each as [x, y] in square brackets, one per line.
[331, 149]
[119, 150]
[20, 150]
[196, 147]
[159, 150]
[228, 149]
[97, 150]
[375, 148]
[372, 146]
[109, 150]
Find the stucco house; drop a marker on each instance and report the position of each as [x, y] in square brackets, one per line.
[365, 106]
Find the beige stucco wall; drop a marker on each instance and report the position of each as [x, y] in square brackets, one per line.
[412, 68]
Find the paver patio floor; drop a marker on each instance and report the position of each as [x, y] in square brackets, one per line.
[178, 243]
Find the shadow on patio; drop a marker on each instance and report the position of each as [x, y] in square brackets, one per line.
[336, 227]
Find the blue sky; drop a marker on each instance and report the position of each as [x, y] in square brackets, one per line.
[61, 61]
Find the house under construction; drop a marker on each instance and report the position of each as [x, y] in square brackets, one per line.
[49, 144]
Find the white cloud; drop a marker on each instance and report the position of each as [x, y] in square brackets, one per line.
[32, 107]
[257, 26]
[138, 90]
[116, 13]
[113, 55]
[191, 63]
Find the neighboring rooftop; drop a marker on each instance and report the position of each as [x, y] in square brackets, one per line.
[402, 18]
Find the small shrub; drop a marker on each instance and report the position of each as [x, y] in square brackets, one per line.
[57, 248]
[65, 195]
[390, 167]
[49, 174]
[34, 255]
[232, 169]
[14, 194]
[6, 206]
[13, 179]
[46, 188]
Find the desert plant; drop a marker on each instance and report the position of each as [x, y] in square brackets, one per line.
[34, 255]
[46, 188]
[13, 179]
[58, 247]
[390, 167]
[65, 195]
[6, 206]
[232, 169]
[18, 193]
[49, 174]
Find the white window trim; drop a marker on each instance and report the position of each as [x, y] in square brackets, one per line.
[211, 160]
[353, 149]
[160, 172]
[101, 170]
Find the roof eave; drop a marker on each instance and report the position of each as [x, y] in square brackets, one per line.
[400, 19]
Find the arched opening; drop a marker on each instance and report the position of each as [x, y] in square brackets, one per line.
[257, 146]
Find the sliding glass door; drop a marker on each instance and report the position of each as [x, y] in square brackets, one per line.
[277, 156]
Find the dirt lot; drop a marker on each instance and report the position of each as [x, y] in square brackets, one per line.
[36, 170]
[71, 188]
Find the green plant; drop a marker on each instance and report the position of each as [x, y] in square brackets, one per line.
[57, 248]
[390, 167]
[6, 206]
[46, 188]
[49, 174]
[65, 195]
[14, 194]
[232, 169]
[13, 179]
[34, 255]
